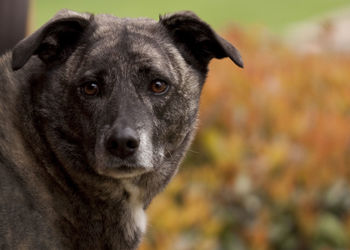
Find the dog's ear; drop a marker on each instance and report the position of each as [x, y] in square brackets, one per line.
[54, 41]
[197, 42]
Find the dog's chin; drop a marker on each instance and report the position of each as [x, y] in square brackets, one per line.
[123, 171]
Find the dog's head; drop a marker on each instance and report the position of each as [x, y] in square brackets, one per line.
[118, 98]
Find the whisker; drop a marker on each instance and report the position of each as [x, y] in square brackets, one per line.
[192, 151]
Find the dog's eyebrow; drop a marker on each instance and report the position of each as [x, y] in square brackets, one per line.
[95, 73]
[157, 72]
[155, 65]
[90, 73]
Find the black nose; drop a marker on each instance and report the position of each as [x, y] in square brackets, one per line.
[123, 142]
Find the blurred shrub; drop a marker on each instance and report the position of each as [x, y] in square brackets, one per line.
[270, 167]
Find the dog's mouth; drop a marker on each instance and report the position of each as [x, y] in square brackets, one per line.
[124, 171]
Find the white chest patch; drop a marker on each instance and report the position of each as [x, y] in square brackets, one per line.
[140, 218]
[138, 215]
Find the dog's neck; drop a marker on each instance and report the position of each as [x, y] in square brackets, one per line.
[106, 225]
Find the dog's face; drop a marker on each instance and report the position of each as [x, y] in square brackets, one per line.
[119, 97]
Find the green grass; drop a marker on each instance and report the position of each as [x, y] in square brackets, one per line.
[276, 14]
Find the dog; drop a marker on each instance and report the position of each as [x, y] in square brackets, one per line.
[96, 114]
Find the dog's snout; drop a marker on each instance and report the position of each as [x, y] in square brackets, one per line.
[123, 142]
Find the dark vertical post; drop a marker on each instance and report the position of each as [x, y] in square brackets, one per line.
[13, 22]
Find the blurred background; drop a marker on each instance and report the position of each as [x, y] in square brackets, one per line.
[270, 166]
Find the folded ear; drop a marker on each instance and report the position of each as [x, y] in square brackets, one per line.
[197, 42]
[54, 41]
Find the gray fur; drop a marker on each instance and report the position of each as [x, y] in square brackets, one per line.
[60, 187]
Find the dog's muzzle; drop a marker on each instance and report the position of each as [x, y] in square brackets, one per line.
[123, 152]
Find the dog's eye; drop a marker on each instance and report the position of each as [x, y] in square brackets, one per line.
[159, 87]
[91, 89]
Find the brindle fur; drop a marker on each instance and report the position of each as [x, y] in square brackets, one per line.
[59, 187]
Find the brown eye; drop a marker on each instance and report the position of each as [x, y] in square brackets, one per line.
[159, 87]
[91, 89]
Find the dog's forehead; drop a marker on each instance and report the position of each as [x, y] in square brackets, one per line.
[115, 35]
[137, 41]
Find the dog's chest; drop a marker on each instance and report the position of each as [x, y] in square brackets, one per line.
[138, 218]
